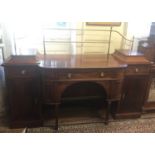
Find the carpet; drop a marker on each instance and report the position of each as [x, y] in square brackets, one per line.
[96, 125]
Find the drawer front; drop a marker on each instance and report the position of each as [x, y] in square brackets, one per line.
[21, 71]
[137, 70]
[53, 90]
[75, 74]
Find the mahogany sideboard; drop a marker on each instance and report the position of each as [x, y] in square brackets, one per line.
[33, 81]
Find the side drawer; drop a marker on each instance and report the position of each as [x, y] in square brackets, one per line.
[21, 71]
[137, 70]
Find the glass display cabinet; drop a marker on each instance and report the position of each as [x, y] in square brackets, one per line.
[151, 96]
[149, 106]
[147, 47]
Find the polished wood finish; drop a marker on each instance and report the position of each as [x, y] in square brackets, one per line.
[92, 61]
[135, 85]
[47, 79]
[111, 84]
[133, 97]
[61, 72]
[23, 90]
[130, 57]
[137, 70]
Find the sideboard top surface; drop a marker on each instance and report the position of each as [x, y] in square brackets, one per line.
[79, 61]
[76, 61]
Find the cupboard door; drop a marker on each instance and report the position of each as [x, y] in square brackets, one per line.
[134, 94]
[23, 98]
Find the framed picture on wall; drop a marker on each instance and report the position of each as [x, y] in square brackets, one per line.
[103, 23]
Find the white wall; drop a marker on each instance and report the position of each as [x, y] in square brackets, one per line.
[79, 35]
[99, 35]
[139, 30]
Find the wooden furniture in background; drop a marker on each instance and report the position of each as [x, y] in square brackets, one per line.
[147, 48]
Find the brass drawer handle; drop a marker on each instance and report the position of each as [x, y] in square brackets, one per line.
[123, 96]
[69, 75]
[102, 74]
[136, 70]
[23, 72]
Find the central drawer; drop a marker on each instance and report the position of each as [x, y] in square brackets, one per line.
[81, 74]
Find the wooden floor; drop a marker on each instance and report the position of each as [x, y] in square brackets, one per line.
[67, 123]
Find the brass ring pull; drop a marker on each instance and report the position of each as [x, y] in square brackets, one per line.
[69, 75]
[123, 96]
[102, 74]
[23, 72]
[137, 70]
